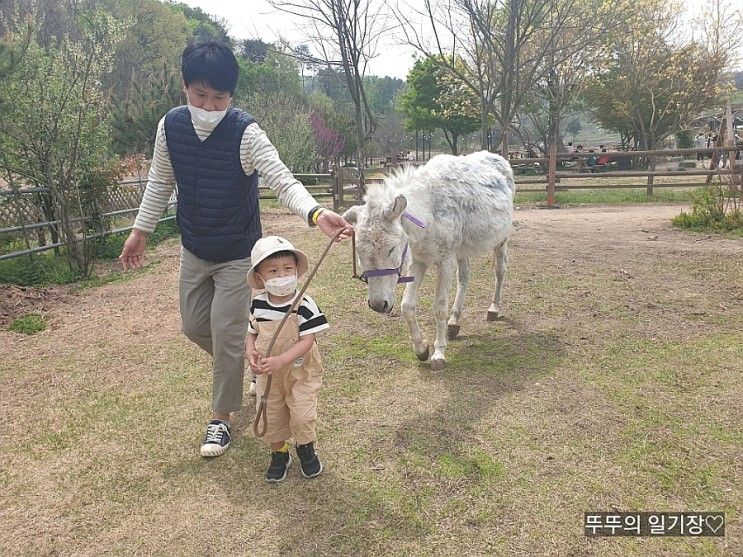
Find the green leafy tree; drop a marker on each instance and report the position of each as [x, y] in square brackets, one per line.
[270, 88]
[203, 26]
[339, 117]
[657, 82]
[145, 81]
[382, 92]
[654, 85]
[276, 73]
[285, 118]
[437, 99]
[254, 50]
[55, 133]
[330, 83]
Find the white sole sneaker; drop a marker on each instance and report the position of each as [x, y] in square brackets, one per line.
[212, 449]
[217, 438]
[251, 388]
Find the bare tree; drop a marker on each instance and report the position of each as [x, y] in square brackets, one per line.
[720, 25]
[346, 34]
[509, 45]
[568, 69]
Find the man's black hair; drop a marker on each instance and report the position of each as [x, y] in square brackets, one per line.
[211, 62]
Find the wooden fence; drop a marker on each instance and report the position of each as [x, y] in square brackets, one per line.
[566, 171]
[22, 214]
[723, 163]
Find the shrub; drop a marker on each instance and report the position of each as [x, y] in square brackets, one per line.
[714, 208]
[28, 324]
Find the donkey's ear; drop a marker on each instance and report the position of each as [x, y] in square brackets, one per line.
[352, 214]
[397, 207]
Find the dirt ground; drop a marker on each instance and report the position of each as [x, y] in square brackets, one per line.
[627, 234]
[419, 464]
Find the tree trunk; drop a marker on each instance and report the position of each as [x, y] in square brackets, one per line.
[360, 152]
[484, 125]
[553, 134]
[504, 143]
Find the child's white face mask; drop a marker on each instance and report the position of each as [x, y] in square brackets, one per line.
[281, 286]
[205, 119]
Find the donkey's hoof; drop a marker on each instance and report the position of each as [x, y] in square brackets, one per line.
[493, 315]
[423, 356]
[452, 331]
[438, 364]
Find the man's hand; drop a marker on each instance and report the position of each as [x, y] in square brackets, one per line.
[330, 223]
[132, 255]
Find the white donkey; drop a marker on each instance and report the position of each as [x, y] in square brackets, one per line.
[442, 214]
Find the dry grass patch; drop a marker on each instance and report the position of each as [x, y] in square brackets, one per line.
[602, 390]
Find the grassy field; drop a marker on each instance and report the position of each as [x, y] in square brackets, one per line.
[613, 383]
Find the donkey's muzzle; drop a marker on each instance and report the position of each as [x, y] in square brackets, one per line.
[380, 306]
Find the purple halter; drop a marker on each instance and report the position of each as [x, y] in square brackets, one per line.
[365, 275]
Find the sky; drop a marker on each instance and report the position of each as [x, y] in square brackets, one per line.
[257, 19]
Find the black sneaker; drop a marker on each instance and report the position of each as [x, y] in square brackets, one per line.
[217, 439]
[279, 468]
[308, 461]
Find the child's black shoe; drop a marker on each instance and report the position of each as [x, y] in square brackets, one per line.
[280, 464]
[308, 460]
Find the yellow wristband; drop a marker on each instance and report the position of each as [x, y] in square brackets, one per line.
[317, 215]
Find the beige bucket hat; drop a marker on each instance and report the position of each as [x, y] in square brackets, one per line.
[268, 246]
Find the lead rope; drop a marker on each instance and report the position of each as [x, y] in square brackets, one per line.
[260, 416]
[353, 255]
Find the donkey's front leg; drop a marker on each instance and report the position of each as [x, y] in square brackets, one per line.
[409, 305]
[440, 308]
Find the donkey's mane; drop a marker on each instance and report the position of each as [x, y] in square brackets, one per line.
[403, 176]
[383, 194]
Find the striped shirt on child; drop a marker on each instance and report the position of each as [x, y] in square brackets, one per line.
[310, 317]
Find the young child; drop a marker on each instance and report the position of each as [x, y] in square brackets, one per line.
[294, 363]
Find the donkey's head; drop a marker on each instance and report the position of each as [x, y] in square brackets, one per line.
[381, 245]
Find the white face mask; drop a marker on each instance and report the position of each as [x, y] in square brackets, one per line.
[281, 286]
[205, 119]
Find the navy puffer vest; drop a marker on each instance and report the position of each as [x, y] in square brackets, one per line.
[217, 203]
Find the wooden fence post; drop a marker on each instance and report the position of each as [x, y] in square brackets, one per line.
[730, 142]
[337, 187]
[551, 174]
[21, 213]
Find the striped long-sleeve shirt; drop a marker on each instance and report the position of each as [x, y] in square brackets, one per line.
[256, 153]
[310, 317]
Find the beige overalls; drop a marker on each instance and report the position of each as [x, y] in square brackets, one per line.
[291, 409]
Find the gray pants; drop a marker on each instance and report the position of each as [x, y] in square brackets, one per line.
[215, 300]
